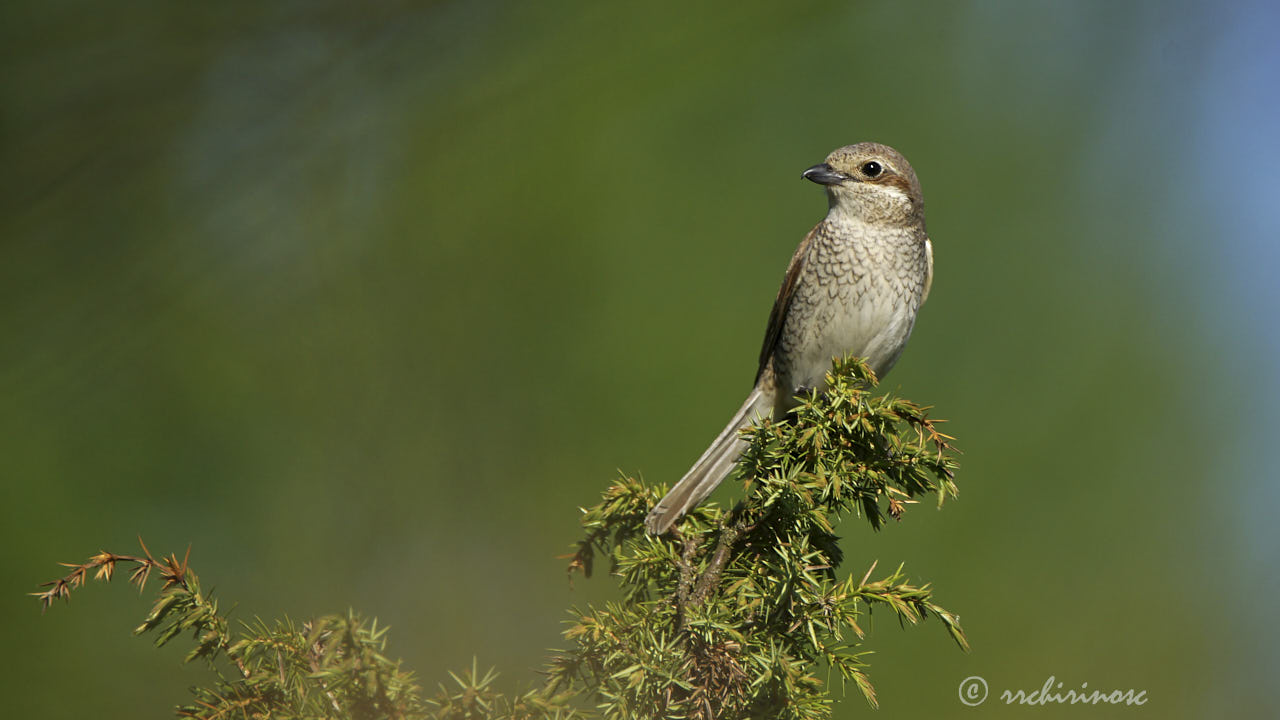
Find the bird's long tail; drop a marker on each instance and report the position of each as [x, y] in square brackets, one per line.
[710, 469]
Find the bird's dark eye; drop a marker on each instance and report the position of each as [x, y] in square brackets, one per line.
[871, 169]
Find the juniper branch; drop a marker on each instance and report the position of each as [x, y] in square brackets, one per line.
[733, 615]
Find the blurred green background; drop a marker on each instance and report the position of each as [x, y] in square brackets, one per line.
[361, 301]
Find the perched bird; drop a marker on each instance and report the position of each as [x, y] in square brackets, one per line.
[854, 286]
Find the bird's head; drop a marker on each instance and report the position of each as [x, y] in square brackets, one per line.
[871, 182]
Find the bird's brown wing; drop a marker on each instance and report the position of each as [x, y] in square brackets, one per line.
[779, 312]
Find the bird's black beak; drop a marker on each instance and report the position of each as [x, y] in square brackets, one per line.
[823, 174]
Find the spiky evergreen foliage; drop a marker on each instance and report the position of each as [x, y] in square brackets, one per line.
[737, 613]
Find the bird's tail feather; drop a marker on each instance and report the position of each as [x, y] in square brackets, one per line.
[707, 473]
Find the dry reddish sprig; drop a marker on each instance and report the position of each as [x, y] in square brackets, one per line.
[103, 565]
